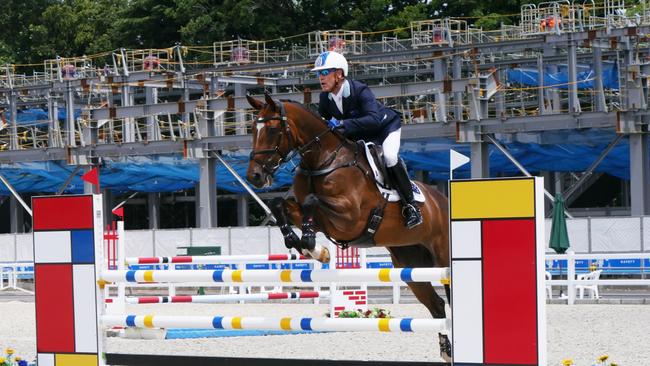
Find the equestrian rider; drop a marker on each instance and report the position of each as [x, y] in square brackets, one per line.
[350, 106]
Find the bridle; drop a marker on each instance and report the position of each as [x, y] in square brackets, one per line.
[292, 150]
[284, 157]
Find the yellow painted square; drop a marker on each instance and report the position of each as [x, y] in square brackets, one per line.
[492, 199]
[75, 360]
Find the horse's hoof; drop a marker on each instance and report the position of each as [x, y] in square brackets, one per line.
[324, 256]
[445, 347]
[320, 253]
[445, 357]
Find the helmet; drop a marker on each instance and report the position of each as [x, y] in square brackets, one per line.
[331, 60]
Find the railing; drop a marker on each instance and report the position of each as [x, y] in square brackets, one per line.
[12, 272]
[571, 282]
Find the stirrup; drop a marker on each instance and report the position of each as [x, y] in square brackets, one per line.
[412, 215]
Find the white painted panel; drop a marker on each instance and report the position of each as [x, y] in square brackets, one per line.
[168, 241]
[249, 240]
[646, 234]
[139, 243]
[7, 248]
[45, 359]
[616, 234]
[578, 230]
[52, 247]
[466, 239]
[25, 247]
[467, 311]
[277, 241]
[85, 310]
[217, 237]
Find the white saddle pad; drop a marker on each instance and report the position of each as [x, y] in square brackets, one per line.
[393, 195]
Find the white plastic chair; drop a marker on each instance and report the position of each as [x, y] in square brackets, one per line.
[549, 289]
[593, 289]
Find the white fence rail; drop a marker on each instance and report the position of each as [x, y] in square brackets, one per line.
[572, 280]
[587, 235]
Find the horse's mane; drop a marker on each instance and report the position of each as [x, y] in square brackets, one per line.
[304, 107]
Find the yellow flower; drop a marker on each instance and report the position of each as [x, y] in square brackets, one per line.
[603, 358]
[9, 351]
[2, 360]
[18, 358]
[567, 362]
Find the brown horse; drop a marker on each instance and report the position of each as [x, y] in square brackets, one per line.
[336, 193]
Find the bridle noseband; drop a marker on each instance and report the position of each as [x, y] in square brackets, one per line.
[284, 126]
[293, 150]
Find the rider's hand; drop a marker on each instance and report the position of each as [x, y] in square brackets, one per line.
[334, 123]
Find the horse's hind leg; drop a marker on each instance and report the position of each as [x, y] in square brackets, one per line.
[279, 210]
[415, 256]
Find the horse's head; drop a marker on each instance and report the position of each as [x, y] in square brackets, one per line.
[273, 140]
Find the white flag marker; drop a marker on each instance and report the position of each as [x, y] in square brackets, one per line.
[456, 160]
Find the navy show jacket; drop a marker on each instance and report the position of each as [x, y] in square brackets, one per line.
[363, 117]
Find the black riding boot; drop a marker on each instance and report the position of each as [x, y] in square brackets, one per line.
[402, 183]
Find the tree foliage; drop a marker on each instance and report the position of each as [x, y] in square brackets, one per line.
[34, 30]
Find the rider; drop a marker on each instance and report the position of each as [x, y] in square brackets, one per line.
[350, 106]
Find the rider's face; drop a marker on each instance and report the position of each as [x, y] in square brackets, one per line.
[331, 82]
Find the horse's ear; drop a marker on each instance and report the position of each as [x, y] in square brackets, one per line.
[258, 105]
[269, 101]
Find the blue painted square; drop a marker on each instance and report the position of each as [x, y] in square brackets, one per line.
[83, 246]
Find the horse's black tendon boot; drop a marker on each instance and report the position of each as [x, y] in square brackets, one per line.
[410, 209]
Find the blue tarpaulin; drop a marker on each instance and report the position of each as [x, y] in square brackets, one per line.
[37, 116]
[561, 151]
[560, 78]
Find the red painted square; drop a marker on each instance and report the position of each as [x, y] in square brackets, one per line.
[63, 213]
[509, 292]
[54, 308]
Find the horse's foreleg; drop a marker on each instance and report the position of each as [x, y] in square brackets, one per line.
[416, 256]
[308, 239]
[279, 210]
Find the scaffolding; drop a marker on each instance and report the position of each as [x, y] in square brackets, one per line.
[439, 32]
[60, 68]
[339, 40]
[152, 60]
[7, 76]
[552, 17]
[238, 52]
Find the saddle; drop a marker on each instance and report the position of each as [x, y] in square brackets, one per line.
[375, 156]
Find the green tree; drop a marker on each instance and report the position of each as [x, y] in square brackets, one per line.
[74, 28]
[16, 40]
[148, 24]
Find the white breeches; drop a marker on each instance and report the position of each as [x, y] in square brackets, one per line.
[391, 147]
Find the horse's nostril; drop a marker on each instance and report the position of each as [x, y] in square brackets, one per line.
[257, 177]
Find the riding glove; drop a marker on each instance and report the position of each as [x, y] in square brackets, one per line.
[334, 123]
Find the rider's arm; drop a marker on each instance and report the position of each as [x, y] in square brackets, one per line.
[322, 107]
[369, 120]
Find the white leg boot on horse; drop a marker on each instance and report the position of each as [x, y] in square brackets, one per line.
[307, 244]
[410, 209]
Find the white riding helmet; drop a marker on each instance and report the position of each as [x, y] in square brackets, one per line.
[331, 60]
